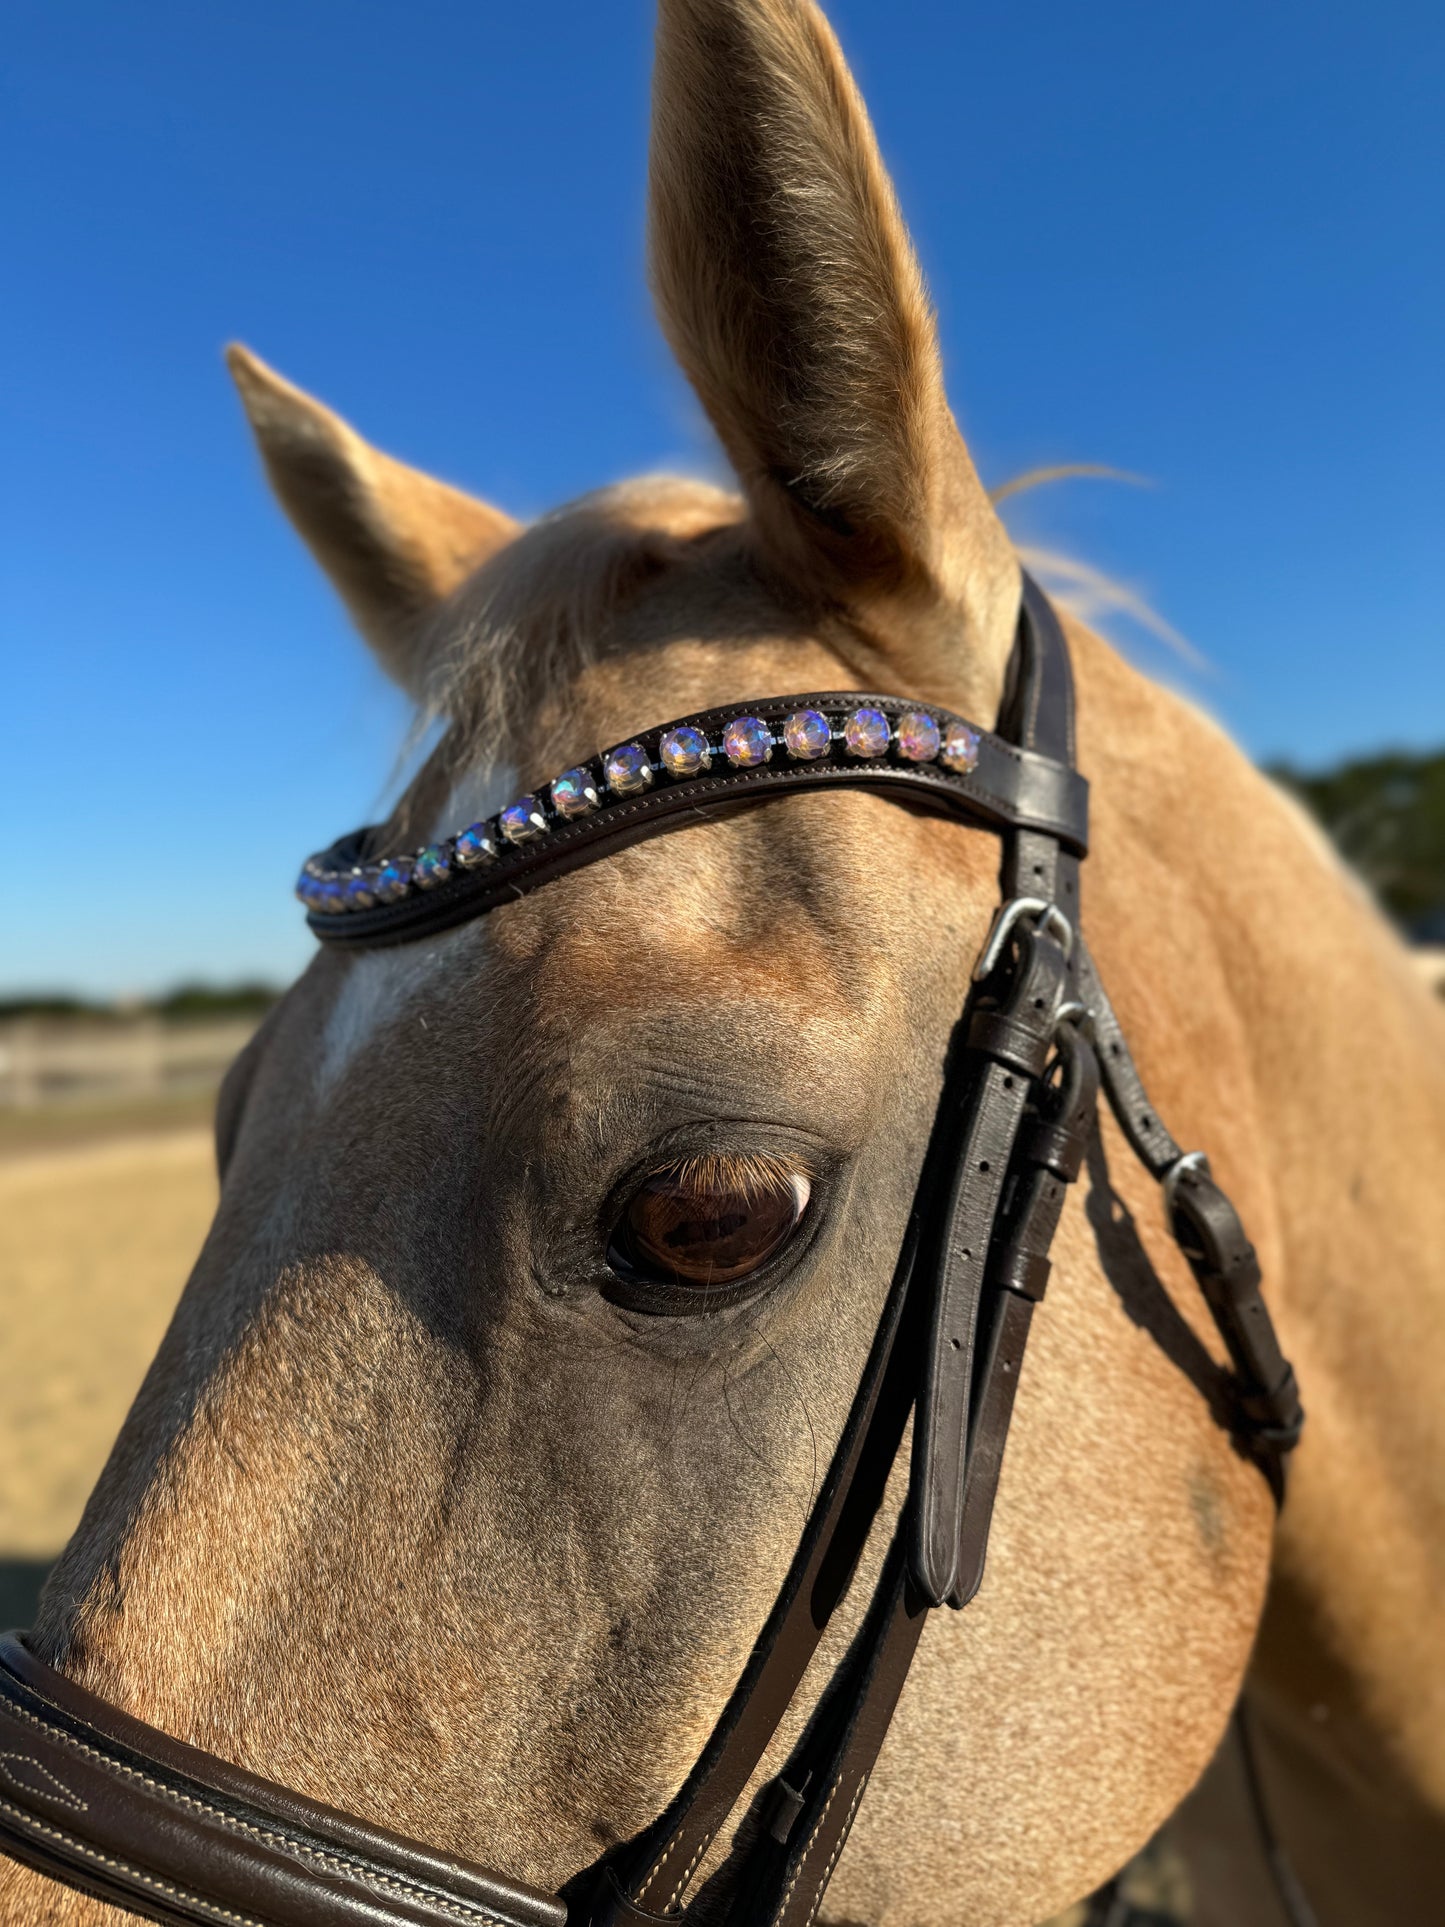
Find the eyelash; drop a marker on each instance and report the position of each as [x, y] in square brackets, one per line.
[637, 1291]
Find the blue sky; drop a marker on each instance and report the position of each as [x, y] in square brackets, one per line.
[1201, 241]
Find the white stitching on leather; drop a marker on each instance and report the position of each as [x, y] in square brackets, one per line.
[833, 1857]
[690, 1869]
[812, 1837]
[62, 1791]
[458, 1909]
[657, 1866]
[32, 1825]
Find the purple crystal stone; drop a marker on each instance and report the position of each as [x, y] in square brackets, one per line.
[808, 735]
[394, 879]
[918, 736]
[960, 748]
[866, 733]
[684, 751]
[627, 769]
[747, 741]
[474, 846]
[523, 820]
[574, 793]
[431, 866]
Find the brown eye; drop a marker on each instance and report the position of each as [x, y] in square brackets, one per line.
[708, 1221]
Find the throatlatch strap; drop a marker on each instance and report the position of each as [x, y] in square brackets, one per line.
[1207, 1229]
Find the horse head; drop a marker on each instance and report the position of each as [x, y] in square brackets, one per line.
[550, 1247]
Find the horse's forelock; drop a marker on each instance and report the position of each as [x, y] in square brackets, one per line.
[544, 610]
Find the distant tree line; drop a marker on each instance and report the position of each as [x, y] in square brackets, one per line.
[186, 1001]
[1386, 815]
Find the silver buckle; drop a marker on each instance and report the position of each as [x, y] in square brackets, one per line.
[1047, 915]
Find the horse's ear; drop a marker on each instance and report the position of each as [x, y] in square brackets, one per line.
[789, 290]
[393, 540]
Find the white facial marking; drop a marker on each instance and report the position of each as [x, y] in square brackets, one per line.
[380, 988]
[476, 794]
[381, 984]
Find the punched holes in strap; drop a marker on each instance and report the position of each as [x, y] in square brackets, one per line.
[1018, 1277]
[1212, 1239]
[1024, 993]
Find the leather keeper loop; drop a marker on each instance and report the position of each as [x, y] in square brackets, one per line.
[619, 1909]
[1017, 1046]
[1054, 1147]
[1276, 1412]
[1025, 1273]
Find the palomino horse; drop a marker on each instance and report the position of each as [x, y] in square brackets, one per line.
[417, 1514]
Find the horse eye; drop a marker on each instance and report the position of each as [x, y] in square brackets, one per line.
[701, 1224]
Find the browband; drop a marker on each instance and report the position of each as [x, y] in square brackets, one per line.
[737, 753]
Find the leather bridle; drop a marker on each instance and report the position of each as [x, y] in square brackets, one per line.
[101, 1802]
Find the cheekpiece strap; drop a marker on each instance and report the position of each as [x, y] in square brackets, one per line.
[355, 893]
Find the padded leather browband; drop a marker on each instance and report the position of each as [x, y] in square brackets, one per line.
[127, 1813]
[1009, 787]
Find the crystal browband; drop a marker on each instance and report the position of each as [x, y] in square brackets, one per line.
[355, 892]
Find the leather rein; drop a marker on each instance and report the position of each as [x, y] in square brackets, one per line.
[101, 1802]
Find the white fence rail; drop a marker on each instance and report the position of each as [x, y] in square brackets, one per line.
[45, 1061]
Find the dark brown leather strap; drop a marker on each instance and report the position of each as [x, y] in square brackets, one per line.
[830, 1769]
[786, 1873]
[1009, 1041]
[1207, 1228]
[1048, 1158]
[103, 1802]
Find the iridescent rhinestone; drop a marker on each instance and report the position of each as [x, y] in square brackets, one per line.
[747, 741]
[519, 822]
[474, 846]
[574, 793]
[306, 885]
[866, 733]
[431, 867]
[684, 751]
[808, 735]
[393, 880]
[627, 769]
[330, 896]
[960, 748]
[359, 894]
[918, 736]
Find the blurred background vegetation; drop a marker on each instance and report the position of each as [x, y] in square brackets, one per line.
[1386, 815]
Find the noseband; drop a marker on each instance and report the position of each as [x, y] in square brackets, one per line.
[102, 1803]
